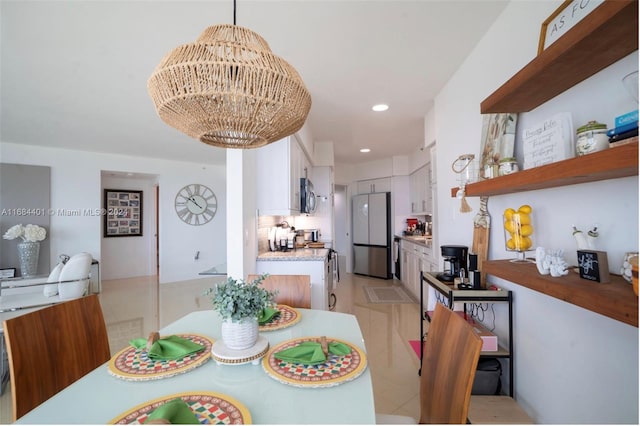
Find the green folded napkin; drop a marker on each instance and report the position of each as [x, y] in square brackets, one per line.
[176, 412]
[311, 352]
[267, 315]
[168, 348]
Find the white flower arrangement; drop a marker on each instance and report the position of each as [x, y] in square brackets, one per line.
[31, 233]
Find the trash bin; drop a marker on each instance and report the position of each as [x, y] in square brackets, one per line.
[487, 380]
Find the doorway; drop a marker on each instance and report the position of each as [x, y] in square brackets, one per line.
[132, 256]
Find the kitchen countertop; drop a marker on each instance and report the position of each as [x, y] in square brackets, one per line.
[301, 254]
[417, 239]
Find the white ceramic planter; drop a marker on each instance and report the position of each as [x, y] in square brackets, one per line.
[240, 335]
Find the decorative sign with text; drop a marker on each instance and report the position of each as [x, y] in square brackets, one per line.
[563, 19]
[548, 142]
[594, 265]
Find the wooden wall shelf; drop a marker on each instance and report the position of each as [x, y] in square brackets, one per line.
[614, 300]
[613, 163]
[604, 36]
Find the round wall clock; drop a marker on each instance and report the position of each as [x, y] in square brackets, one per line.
[196, 204]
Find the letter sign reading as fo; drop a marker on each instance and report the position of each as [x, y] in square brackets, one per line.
[563, 19]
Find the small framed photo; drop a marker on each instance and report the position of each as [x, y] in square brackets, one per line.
[7, 273]
[498, 138]
[123, 213]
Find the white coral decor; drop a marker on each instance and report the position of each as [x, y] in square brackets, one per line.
[31, 233]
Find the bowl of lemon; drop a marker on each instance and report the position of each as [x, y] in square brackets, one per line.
[518, 231]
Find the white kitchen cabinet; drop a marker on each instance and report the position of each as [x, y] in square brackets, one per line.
[413, 265]
[279, 167]
[374, 185]
[416, 258]
[410, 268]
[420, 190]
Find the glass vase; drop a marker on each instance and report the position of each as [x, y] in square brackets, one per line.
[518, 235]
[28, 254]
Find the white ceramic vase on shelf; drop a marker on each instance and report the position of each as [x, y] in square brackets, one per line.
[28, 254]
[240, 335]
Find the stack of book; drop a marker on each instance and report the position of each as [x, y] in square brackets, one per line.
[626, 129]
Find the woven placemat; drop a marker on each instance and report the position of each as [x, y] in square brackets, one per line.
[288, 317]
[208, 407]
[135, 364]
[337, 369]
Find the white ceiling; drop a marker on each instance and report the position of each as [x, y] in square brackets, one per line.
[74, 73]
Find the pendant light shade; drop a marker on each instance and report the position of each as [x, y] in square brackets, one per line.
[229, 90]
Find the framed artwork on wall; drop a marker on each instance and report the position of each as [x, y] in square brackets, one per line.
[498, 137]
[123, 213]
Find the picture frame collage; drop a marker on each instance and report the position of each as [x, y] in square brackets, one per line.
[123, 213]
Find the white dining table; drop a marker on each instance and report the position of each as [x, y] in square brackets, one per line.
[99, 397]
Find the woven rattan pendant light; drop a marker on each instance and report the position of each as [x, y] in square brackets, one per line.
[229, 90]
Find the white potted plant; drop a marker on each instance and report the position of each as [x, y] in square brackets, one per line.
[239, 304]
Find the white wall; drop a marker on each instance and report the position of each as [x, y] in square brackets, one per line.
[400, 197]
[571, 365]
[418, 159]
[373, 169]
[344, 174]
[323, 154]
[342, 231]
[307, 143]
[430, 127]
[242, 244]
[76, 184]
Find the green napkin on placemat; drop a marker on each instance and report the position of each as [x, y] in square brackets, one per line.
[311, 352]
[176, 412]
[267, 315]
[168, 348]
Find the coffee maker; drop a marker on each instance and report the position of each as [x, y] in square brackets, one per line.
[455, 260]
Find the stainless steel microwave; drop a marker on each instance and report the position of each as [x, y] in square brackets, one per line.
[307, 196]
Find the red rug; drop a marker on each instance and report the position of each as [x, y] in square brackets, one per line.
[415, 344]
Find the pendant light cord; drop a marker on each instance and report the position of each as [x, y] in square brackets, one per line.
[234, 12]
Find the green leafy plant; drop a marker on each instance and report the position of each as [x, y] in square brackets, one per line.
[237, 299]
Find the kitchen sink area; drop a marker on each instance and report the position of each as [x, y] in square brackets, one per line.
[317, 263]
[425, 239]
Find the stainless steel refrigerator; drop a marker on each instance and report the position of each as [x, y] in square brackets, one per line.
[372, 234]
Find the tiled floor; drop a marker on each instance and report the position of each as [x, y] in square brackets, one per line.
[135, 307]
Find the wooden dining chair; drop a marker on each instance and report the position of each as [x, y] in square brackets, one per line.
[51, 348]
[293, 290]
[451, 353]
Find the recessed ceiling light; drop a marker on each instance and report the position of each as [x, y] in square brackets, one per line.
[365, 150]
[380, 107]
